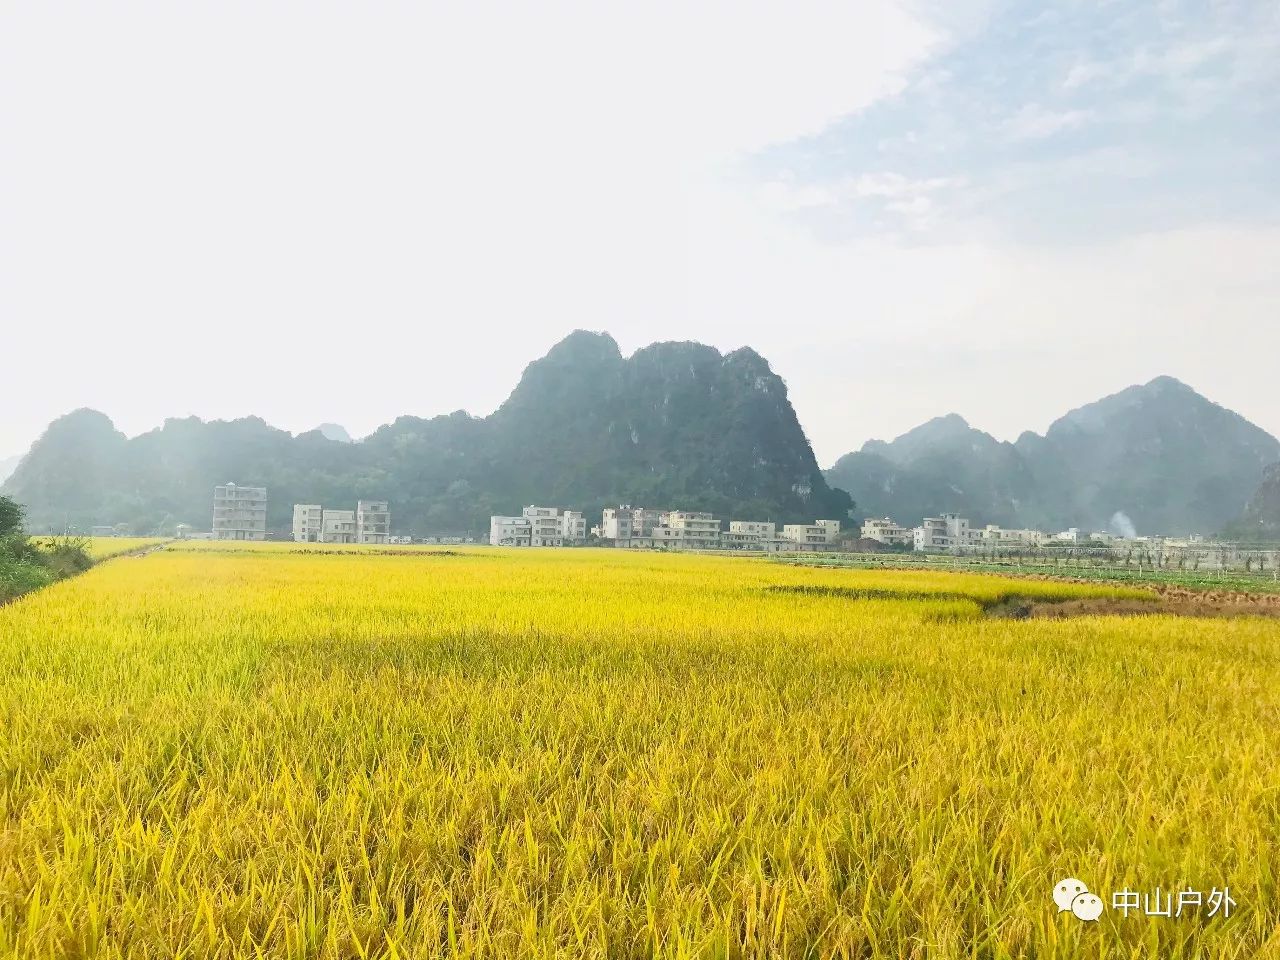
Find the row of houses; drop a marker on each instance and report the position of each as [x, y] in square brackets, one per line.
[539, 527]
[951, 532]
[240, 513]
[369, 522]
[631, 527]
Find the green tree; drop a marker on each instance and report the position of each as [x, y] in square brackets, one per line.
[10, 518]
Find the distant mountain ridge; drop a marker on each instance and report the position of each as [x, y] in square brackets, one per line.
[1160, 453]
[675, 424]
[7, 466]
[334, 431]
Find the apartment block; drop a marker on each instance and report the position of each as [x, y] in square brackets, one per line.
[239, 513]
[308, 522]
[539, 527]
[818, 533]
[931, 535]
[370, 522]
[625, 522]
[509, 532]
[760, 529]
[338, 526]
[947, 532]
[545, 529]
[960, 531]
[688, 529]
[573, 525]
[1073, 535]
[993, 536]
[373, 521]
[887, 531]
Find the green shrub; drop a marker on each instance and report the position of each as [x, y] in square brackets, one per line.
[24, 566]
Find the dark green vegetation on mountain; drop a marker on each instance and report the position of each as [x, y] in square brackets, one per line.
[1170, 460]
[676, 424]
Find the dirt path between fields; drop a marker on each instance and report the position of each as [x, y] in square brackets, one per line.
[1168, 600]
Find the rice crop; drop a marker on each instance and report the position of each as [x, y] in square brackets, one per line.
[264, 752]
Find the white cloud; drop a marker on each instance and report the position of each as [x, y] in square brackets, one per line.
[1034, 122]
[1225, 60]
[894, 190]
[1087, 72]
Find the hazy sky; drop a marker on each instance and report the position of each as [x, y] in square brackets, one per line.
[349, 211]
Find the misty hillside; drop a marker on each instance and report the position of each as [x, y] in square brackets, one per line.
[334, 431]
[1170, 459]
[676, 424]
[1261, 518]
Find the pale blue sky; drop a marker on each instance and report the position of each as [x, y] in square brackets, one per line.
[909, 208]
[1057, 123]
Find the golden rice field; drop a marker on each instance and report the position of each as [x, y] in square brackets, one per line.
[585, 753]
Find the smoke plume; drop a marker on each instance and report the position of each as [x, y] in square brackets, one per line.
[1122, 526]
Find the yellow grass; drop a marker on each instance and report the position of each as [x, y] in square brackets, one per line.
[267, 753]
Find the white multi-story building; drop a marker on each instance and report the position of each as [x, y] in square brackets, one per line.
[625, 522]
[748, 534]
[960, 530]
[931, 535]
[308, 522]
[239, 513]
[338, 526]
[638, 528]
[993, 536]
[370, 522]
[886, 531]
[947, 532]
[373, 521]
[545, 527]
[818, 533]
[688, 529]
[760, 529]
[573, 526]
[539, 527]
[509, 531]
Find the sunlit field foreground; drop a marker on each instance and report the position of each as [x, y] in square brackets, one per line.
[588, 753]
